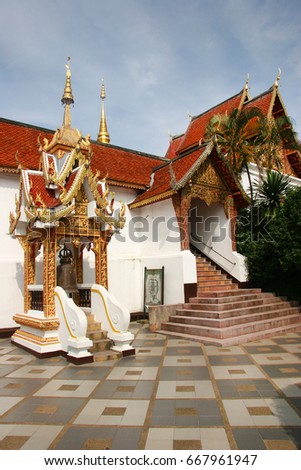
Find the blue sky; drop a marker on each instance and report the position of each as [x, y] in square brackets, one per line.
[160, 59]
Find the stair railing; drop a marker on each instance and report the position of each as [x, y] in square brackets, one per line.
[197, 239]
[114, 318]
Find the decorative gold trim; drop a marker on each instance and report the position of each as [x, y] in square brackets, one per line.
[75, 187]
[38, 323]
[14, 218]
[4, 169]
[65, 316]
[35, 338]
[153, 199]
[106, 310]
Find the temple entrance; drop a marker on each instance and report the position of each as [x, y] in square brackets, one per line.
[210, 232]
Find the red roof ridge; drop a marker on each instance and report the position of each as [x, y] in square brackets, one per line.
[25, 124]
[217, 105]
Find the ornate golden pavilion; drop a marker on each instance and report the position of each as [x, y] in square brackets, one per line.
[64, 203]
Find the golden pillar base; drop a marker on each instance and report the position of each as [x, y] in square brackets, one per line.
[37, 334]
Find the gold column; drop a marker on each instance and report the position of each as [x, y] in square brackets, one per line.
[99, 248]
[78, 255]
[49, 272]
[29, 269]
[181, 203]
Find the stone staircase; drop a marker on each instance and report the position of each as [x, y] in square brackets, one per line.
[101, 343]
[224, 314]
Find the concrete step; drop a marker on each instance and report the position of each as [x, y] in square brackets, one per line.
[215, 288]
[97, 334]
[218, 304]
[219, 294]
[236, 320]
[234, 340]
[210, 276]
[100, 345]
[106, 356]
[232, 331]
[235, 312]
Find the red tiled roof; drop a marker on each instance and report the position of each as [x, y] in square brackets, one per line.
[163, 176]
[123, 166]
[21, 138]
[183, 164]
[161, 185]
[197, 126]
[263, 102]
[37, 183]
[173, 147]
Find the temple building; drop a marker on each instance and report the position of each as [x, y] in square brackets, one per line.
[92, 233]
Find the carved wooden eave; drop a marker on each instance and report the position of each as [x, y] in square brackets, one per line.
[211, 179]
[15, 216]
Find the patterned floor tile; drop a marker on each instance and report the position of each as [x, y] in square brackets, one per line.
[149, 351]
[133, 373]
[186, 439]
[186, 413]
[264, 349]
[27, 437]
[125, 389]
[100, 438]
[261, 412]
[140, 361]
[85, 372]
[267, 438]
[223, 351]
[19, 387]
[229, 360]
[237, 371]
[6, 403]
[67, 388]
[191, 361]
[290, 386]
[282, 371]
[243, 388]
[184, 373]
[185, 389]
[184, 350]
[113, 412]
[6, 348]
[44, 411]
[276, 358]
[6, 370]
[170, 383]
[36, 372]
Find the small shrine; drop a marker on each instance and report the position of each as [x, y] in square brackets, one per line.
[64, 208]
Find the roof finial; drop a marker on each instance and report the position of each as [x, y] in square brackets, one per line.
[247, 82]
[276, 84]
[67, 97]
[103, 135]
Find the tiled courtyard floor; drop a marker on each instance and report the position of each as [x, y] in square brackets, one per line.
[174, 394]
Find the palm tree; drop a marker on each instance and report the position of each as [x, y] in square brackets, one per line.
[245, 136]
[271, 192]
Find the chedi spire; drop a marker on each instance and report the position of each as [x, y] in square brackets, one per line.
[103, 135]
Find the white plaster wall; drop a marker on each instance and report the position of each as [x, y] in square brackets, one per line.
[211, 225]
[150, 239]
[294, 182]
[11, 255]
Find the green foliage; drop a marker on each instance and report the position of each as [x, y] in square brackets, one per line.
[272, 246]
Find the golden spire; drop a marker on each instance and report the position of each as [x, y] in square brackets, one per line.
[67, 98]
[276, 84]
[103, 135]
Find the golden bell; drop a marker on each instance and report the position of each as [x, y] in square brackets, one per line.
[66, 274]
